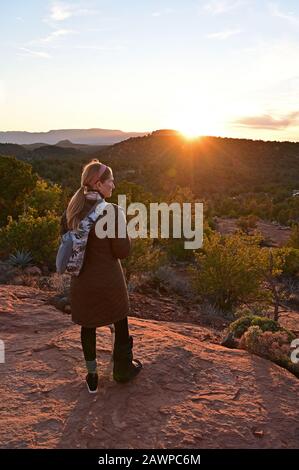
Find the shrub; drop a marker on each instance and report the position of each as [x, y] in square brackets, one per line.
[228, 270]
[240, 326]
[39, 235]
[258, 308]
[144, 257]
[291, 261]
[287, 259]
[172, 280]
[177, 252]
[270, 345]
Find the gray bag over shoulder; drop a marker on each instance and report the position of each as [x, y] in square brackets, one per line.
[70, 255]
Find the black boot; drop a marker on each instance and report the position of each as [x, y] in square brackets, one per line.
[92, 382]
[124, 367]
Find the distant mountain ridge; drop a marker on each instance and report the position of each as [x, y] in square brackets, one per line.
[77, 136]
[66, 144]
[44, 151]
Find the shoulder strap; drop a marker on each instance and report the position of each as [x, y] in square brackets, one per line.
[97, 208]
[92, 208]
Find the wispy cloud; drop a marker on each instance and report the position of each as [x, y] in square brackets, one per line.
[224, 34]
[266, 121]
[25, 52]
[60, 11]
[58, 33]
[216, 7]
[288, 16]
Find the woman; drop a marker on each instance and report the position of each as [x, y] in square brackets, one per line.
[98, 295]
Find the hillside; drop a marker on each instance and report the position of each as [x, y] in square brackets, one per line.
[233, 177]
[161, 161]
[192, 393]
[206, 165]
[41, 152]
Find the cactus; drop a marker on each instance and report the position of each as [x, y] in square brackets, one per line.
[20, 259]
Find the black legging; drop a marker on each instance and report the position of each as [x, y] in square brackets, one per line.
[88, 338]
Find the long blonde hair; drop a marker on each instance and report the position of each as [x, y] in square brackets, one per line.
[76, 204]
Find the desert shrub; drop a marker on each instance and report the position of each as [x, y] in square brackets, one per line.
[228, 270]
[291, 264]
[174, 247]
[177, 252]
[144, 257]
[240, 326]
[60, 283]
[287, 260]
[168, 277]
[258, 308]
[39, 235]
[272, 345]
[211, 222]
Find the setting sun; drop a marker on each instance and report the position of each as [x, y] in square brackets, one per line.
[190, 133]
[193, 126]
[196, 128]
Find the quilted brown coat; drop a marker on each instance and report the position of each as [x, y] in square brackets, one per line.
[99, 296]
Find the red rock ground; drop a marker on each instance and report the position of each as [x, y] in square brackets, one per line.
[192, 393]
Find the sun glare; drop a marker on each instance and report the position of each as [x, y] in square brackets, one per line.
[192, 125]
[190, 130]
[190, 133]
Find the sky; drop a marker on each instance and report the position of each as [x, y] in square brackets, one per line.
[206, 67]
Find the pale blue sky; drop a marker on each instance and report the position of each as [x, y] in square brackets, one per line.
[216, 67]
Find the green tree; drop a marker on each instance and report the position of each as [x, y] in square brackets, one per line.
[44, 198]
[17, 182]
[274, 263]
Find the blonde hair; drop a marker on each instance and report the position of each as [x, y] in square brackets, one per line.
[76, 204]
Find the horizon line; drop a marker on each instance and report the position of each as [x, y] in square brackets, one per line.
[141, 132]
